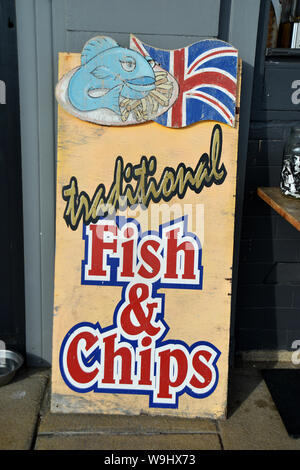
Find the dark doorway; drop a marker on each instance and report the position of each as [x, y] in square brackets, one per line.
[12, 304]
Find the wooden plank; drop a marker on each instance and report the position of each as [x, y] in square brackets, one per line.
[287, 207]
[195, 314]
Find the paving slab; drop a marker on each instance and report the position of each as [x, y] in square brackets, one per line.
[53, 423]
[20, 403]
[64, 422]
[253, 421]
[118, 432]
[128, 442]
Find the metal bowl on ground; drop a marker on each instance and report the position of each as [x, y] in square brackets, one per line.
[10, 362]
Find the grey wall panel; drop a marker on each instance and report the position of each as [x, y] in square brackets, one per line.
[242, 33]
[46, 167]
[139, 16]
[28, 83]
[58, 20]
[76, 39]
[38, 163]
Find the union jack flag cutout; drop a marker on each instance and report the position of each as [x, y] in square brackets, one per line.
[206, 73]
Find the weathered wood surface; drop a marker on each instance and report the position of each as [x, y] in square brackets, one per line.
[89, 152]
[287, 207]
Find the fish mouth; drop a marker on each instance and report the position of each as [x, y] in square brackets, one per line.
[141, 83]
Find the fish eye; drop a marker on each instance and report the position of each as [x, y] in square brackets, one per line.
[128, 64]
[150, 61]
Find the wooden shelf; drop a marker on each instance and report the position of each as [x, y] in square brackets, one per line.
[287, 207]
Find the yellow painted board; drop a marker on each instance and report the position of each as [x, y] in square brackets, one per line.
[89, 153]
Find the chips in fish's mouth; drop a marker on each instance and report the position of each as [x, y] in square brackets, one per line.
[144, 108]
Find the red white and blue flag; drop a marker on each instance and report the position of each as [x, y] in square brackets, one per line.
[206, 73]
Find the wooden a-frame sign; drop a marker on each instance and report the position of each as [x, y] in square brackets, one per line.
[144, 234]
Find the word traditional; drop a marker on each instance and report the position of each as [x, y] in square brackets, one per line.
[137, 184]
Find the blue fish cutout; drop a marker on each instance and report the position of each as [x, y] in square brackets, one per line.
[112, 70]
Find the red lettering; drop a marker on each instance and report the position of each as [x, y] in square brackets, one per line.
[202, 368]
[98, 247]
[78, 375]
[110, 354]
[143, 321]
[145, 364]
[127, 257]
[150, 259]
[165, 379]
[172, 259]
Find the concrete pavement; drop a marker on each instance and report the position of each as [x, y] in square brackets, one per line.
[253, 422]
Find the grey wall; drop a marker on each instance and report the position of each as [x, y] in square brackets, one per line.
[46, 27]
[268, 305]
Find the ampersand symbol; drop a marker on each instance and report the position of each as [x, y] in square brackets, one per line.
[143, 319]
